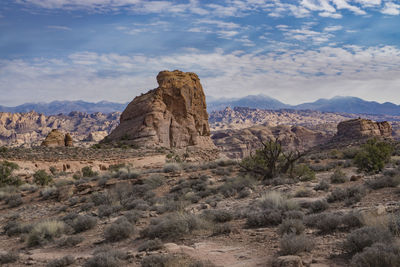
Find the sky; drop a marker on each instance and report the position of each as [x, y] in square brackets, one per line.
[293, 50]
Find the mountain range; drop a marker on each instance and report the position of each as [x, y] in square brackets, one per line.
[65, 107]
[339, 104]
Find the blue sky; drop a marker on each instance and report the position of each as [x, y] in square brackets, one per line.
[295, 51]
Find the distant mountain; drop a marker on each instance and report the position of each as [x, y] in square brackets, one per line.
[251, 101]
[65, 107]
[338, 104]
[352, 105]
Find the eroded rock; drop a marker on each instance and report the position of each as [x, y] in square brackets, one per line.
[363, 128]
[57, 139]
[174, 115]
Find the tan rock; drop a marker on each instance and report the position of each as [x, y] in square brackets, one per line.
[96, 136]
[68, 140]
[362, 128]
[240, 143]
[57, 139]
[54, 139]
[173, 115]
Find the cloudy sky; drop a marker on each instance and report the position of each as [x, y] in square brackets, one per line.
[293, 50]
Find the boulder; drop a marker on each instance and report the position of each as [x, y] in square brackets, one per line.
[363, 128]
[174, 115]
[68, 140]
[57, 139]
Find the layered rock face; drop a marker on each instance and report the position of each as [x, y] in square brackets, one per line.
[362, 128]
[57, 139]
[29, 129]
[240, 143]
[174, 115]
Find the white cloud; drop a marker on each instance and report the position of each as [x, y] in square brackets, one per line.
[343, 4]
[330, 15]
[305, 34]
[333, 28]
[391, 8]
[369, 3]
[57, 27]
[372, 73]
[224, 8]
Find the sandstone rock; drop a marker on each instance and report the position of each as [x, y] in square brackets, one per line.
[240, 143]
[362, 128]
[287, 261]
[54, 139]
[68, 140]
[96, 136]
[173, 115]
[57, 139]
[30, 129]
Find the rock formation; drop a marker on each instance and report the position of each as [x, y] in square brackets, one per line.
[174, 115]
[96, 136]
[240, 143]
[68, 141]
[362, 128]
[30, 129]
[57, 139]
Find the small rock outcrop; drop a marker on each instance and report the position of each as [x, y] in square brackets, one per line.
[363, 128]
[174, 115]
[57, 139]
[96, 136]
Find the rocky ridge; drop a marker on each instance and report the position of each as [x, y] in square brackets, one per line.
[241, 142]
[174, 115]
[30, 129]
[362, 128]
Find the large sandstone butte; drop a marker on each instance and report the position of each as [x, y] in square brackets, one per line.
[174, 115]
[57, 139]
[362, 128]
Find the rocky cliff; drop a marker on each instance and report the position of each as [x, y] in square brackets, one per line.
[174, 115]
[29, 129]
[362, 128]
[240, 143]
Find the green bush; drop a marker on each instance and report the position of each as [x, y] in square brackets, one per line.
[323, 185]
[173, 226]
[119, 230]
[338, 177]
[44, 232]
[41, 177]
[62, 262]
[269, 210]
[151, 245]
[373, 156]
[378, 255]
[294, 244]
[13, 200]
[107, 257]
[6, 170]
[304, 173]
[350, 195]
[291, 226]
[382, 182]
[88, 172]
[9, 257]
[83, 223]
[366, 236]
